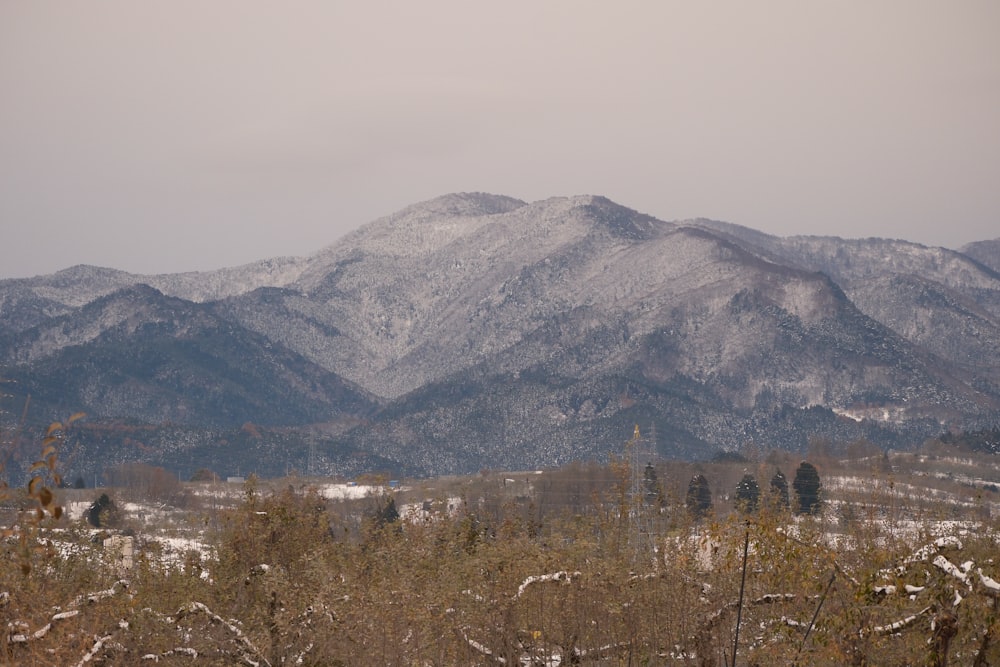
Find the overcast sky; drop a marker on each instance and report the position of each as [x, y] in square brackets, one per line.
[195, 134]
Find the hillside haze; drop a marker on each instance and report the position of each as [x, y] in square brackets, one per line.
[479, 331]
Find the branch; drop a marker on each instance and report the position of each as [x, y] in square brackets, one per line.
[480, 648]
[990, 586]
[948, 567]
[180, 650]
[772, 598]
[94, 650]
[599, 652]
[90, 598]
[198, 607]
[561, 576]
[928, 550]
[892, 589]
[893, 628]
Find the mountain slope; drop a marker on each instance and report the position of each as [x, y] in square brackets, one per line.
[943, 302]
[140, 355]
[476, 330]
[79, 285]
[985, 252]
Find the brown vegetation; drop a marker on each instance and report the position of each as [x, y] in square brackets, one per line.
[561, 567]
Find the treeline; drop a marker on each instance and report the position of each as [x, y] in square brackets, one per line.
[986, 441]
[696, 488]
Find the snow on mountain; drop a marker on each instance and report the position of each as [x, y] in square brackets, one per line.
[81, 284]
[485, 326]
[985, 252]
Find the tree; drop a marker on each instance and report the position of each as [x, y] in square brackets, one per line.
[385, 511]
[699, 496]
[807, 489]
[389, 513]
[779, 490]
[103, 513]
[747, 494]
[145, 481]
[204, 475]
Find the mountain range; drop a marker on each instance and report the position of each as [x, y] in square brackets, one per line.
[479, 331]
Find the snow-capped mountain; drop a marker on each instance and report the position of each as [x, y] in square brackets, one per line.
[985, 252]
[478, 330]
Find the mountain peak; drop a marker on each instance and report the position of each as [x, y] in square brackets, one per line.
[621, 221]
[494, 332]
[462, 204]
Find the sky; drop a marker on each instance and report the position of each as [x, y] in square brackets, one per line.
[181, 135]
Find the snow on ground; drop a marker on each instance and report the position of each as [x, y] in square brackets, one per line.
[900, 490]
[895, 414]
[349, 491]
[172, 546]
[74, 511]
[176, 549]
[220, 490]
[430, 509]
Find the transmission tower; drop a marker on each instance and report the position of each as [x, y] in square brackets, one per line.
[311, 465]
[639, 452]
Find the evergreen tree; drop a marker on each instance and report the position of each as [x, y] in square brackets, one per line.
[390, 514]
[699, 496]
[103, 513]
[747, 494]
[807, 489]
[779, 490]
[386, 513]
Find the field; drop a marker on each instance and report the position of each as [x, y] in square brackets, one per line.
[603, 564]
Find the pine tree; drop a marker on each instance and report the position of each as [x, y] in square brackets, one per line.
[807, 489]
[103, 513]
[390, 514]
[699, 496]
[386, 513]
[747, 494]
[779, 490]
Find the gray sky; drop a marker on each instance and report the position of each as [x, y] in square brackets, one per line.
[190, 134]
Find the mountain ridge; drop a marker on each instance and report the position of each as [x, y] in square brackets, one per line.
[454, 333]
